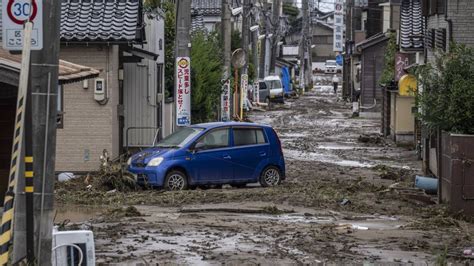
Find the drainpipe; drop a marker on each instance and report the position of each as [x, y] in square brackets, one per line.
[449, 21]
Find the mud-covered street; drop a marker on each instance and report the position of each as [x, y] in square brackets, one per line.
[349, 197]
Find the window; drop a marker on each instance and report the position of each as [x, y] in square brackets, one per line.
[179, 138]
[432, 7]
[215, 139]
[248, 136]
[60, 109]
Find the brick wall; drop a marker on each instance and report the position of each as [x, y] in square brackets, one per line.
[89, 127]
[461, 12]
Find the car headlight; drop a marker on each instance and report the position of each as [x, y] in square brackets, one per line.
[155, 161]
[129, 161]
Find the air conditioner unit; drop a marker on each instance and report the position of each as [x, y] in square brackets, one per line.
[68, 246]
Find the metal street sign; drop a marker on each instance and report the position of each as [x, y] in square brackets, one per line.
[14, 14]
[183, 91]
[338, 25]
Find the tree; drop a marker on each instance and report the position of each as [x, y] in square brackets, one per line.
[206, 74]
[388, 73]
[170, 35]
[447, 100]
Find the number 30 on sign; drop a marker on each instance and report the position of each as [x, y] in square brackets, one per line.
[14, 14]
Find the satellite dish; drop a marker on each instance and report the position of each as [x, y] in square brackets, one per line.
[239, 58]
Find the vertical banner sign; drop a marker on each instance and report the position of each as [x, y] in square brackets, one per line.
[225, 102]
[401, 61]
[244, 83]
[183, 91]
[256, 91]
[338, 25]
[14, 14]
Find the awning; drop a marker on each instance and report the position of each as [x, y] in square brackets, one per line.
[10, 65]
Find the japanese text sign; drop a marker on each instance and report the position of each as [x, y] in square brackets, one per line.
[14, 14]
[183, 91]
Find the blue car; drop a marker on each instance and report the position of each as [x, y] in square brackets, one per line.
[217, 153]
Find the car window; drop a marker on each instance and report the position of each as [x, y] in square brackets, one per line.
[262, 86]
[180, 137]
[248, 136]
[215, 139]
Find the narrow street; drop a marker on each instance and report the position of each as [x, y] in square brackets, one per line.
[348, 198]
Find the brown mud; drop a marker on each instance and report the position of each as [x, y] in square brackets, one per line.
[348, 198]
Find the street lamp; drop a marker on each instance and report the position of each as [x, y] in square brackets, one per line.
[312, 46]
[262, 36]
[236, 11]
[254, 28]
[270, 35]
[279, 43]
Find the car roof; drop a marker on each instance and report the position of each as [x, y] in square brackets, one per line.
[226, 124]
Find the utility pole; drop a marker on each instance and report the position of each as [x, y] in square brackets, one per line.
[226, 39]
[276, 36]
[44, 86]
[183, 41]
[304, 45]
[255, 49]
[265, 43]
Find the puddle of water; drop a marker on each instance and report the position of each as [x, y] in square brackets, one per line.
[399, 256]
[325, 158]
[187, 246]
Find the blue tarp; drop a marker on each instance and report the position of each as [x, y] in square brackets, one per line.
[285, 79]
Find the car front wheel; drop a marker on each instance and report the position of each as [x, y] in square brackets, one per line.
[270, 177]
[176, 180]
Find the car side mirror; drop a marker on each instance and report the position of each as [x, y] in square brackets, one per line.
[199, 146]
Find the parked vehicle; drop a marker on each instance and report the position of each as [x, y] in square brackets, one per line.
[271, 90]
[331, 67]
[212, 154]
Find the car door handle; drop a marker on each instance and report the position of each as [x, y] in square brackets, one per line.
[227, 157]
[263, 154]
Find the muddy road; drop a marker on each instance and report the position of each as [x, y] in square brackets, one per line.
[348, 198]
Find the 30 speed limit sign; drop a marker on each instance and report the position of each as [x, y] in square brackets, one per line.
[14, 14]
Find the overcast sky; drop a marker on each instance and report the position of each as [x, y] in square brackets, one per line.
[325, 5]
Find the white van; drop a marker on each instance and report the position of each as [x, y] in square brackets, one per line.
[274, 84]
[331, 67]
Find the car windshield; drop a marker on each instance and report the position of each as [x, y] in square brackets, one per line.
[179, 138]
[330, 63]
[273, 84]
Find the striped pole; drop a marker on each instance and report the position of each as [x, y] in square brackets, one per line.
[18, 137]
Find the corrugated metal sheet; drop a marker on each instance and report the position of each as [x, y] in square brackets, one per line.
[140, 105]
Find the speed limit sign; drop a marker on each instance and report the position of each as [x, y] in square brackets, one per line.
[14, 14]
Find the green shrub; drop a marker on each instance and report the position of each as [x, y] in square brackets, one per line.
[447, 100]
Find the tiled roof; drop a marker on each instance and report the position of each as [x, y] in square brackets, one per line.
[100, 20]
[206, 7]
[412, 25]
[68, 72]
[209, 7]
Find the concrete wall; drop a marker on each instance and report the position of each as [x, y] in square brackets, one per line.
[89, 127]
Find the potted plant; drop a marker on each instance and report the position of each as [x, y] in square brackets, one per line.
[446, 104]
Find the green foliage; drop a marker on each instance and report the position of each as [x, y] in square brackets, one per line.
[236, 40]
[151, 4]
[388, 73]
[447, 102]
[170, 33]
[206, 74]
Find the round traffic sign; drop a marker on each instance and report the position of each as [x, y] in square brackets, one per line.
[20, 10]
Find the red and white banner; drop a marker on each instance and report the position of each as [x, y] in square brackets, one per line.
[225, 101]
[183, 91]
